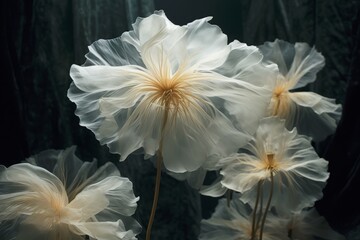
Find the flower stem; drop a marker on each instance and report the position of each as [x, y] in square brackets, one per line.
[229, 194]
[268, 204]
[159, 161]
[253, 230]
[156, 194]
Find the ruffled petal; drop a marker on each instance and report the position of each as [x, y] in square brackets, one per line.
[149, 31]
[245, 63]
[299, 175]
[308, 224]
[112, 52]
[298, 63]
[241, 172]
[216, 189]
[245, 104]
[27, 189]
[234, 222]
[306, 64]
[106, 78]
[108, 204]
[206, 44]
[315, 115]
[107, 230]
[279, 52]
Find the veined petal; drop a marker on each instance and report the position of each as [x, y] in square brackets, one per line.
[206, 44]
[245, 63]
[308, 224]
[179, 152]
[299, 175]
[149, 31]
[318, 103]
[245, 103]
[298, 63]
[106, 78]
[315, 115]
[27, 189]
[112, 52]
[306, 64]
[107, 230]
[216, 189]
[234, 222]
[279, 52]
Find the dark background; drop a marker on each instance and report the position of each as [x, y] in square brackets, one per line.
[40, 39]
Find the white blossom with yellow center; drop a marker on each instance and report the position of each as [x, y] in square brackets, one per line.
[283, 162]
[160, 88]
[65, 199]
[312, 114]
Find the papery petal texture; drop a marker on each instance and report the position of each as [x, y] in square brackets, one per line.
[308, 224]
[299, 175]
[234, 222]
[161, 86]
[313, 115]
[57, 196]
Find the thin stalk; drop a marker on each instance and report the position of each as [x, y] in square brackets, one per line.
[159, 161]
[260, 211]
[156, 195]
[268, 204]
[253, 230]
[229, 194]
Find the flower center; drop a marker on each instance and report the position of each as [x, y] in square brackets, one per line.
[270, 163]
[280, 101]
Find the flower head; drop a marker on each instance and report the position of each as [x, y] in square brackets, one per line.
[280, 158]
[311, 113]
[65, 199]
[160, 87]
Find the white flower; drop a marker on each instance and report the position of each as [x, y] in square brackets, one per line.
[67, 199]
[309, 225]
[280, 160]
[160, 88]
[234, 222]
[312, 114]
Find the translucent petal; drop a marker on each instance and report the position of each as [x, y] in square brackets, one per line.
[27, 189]
[245, 103]
[186, 144]
[216, 189]
[299, 174]
[245, 63]
[306, 64]
[234, 222]
[106, 230]
[279, 52]
[308, 224]
[206, 45]
[298, 63]
[119, 193]
[149, 31]
[124, 105]
[315, 115]
[112, 52]
[106, 78]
